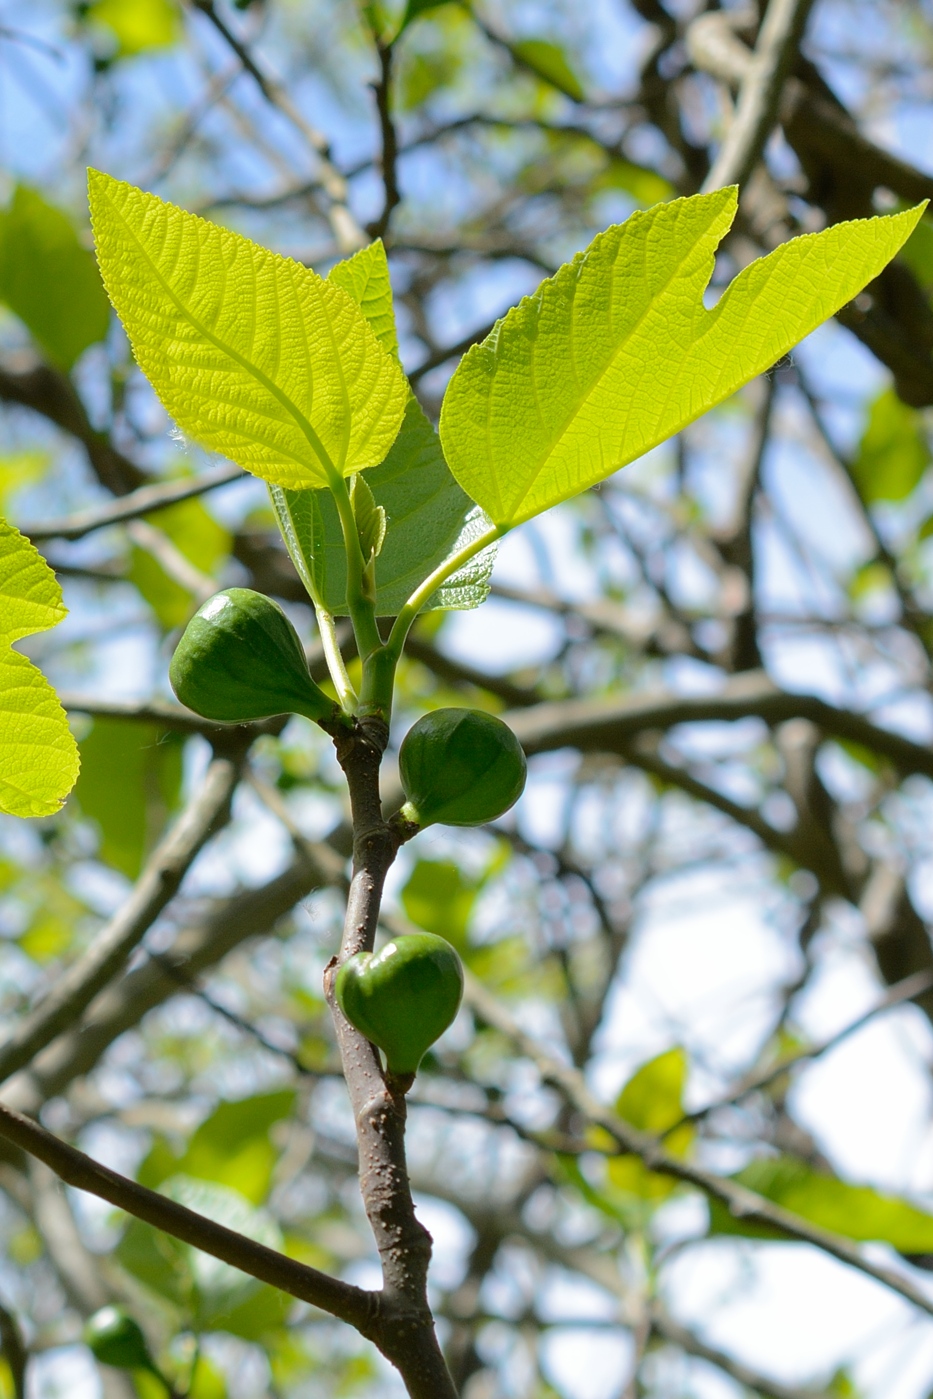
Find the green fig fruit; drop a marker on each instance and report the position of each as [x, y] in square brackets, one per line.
[460, 767]
[114, 1338]
[402, 998]
[240, 659]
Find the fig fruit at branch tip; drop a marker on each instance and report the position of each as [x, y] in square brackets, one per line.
[402, 998]
[115, 1338]
[460, 767]
[240, 659]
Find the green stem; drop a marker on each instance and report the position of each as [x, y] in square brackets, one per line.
[362, 609]
[338, 671]
[425, 591]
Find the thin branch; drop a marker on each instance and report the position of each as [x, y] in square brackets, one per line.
[664, 1325]
[144, 501]
[346, 230]
[173, 717]
[439, 357]
[907, 990]
[759, 95]
[171, 560]
[76, 987]
[409, 1340]
[741, 1202]
[389, 159]
[341, 1299]
[607, 725]
[247, 914]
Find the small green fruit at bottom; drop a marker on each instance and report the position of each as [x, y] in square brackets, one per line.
[460, 767]
[240, 659]
[114, 1338]
[402, 998]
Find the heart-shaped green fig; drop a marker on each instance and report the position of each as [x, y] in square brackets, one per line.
[240, 659]
[114, 1338]
[402, 998]
[460, 767]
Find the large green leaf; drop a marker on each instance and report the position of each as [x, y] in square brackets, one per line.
[38, 755]
[130, 783]
[429, 516]
[856, 1211]
[617, 352]
[893, 453]
[252, 354]
[49, 279]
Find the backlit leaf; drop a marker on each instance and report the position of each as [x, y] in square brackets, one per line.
[617, 352]
[428, 515]
[652, 1101]
[253, 355]
[856, 1211]
[139, 25]
[893, 453]
[38, 755]
[440, 899]
[49, 279]
[549, 62]
[130, 782]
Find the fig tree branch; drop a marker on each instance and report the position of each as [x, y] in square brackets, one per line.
[347, 231]
[741, 1202]
[757, 106]
[77, 986]
[605, 724]
[340, 1299]
[143, 501]
[378, 1103]
[120, 1006]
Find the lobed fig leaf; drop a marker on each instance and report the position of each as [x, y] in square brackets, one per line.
[402, 998]
[240, 659]
[460, 767]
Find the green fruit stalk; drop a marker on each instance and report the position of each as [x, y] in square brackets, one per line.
[240, 659]
[114, 1338]
[402, 998]
[460, 767]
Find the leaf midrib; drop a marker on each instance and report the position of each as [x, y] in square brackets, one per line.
[313, 440]
[574, 413]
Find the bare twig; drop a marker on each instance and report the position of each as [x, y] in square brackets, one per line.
[759, 95]
[686, 1340]
[77, 986]
[389, 159]
[346, 230]
[741, 1202]
[906, 990]
[341, 1299]
[144, 501]
[171, 560]
[378, 1100]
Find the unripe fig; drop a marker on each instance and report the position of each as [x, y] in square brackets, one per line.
[114, 1338]
[402, 998]
[460, 767]
[240, 659]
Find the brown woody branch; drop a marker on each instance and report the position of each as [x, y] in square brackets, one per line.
[340, 1299]
[408, 1339]
[76, 987]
